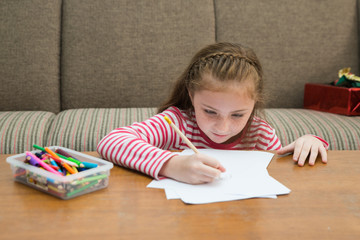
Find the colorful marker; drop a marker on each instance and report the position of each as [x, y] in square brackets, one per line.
[42, 164]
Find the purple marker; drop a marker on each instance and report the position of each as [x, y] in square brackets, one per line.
[32, 161]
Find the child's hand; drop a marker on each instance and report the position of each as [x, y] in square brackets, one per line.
[302, 147]
[194, 169]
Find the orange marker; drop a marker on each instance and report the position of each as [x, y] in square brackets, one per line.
[61, 160]
[68, 168]
[56, 157]
[75, 169]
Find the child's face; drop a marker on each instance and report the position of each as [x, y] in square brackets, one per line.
[222, 115]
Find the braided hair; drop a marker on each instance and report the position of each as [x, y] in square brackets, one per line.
[226, 63]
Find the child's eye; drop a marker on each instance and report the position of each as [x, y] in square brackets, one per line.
[209, 111]
[238, 115]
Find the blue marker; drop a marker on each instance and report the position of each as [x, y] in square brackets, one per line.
[55, 164]
[89, 165]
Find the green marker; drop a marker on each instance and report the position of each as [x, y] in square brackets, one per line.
[81, 189]
[89, 179]
[39, 148]
[71, 160]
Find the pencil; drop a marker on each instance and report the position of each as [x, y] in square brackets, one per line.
[181, 135]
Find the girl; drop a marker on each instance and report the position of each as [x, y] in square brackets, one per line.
[215, 103]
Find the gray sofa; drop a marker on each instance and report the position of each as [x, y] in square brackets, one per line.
[73, 70]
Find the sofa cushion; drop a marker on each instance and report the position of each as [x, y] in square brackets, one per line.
[296, 41]
[127, 53]
[82, 129]
[20, 130]
[29, 50]
[341, 132]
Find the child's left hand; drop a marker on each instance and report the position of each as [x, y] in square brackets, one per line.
[302, 147]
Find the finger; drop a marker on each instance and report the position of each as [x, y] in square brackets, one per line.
[313, 154]
[323, 154]
[210, 171]
[304, 153]
[222, 169]
[287, 149]
[212, 162]
[206, 179]
[297, 149]
[200, 179]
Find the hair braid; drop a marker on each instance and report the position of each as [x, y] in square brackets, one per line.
[225, 62]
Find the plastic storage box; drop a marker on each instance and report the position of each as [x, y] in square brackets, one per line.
[64, 187]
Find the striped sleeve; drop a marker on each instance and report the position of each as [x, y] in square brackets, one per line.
[274, 142]
[140, 146]
[264, 135]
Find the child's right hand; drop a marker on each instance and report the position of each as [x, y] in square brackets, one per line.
[194, 169]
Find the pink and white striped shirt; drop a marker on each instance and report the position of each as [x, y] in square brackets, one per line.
[145, 146]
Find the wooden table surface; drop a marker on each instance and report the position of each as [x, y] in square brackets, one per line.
[324, 204]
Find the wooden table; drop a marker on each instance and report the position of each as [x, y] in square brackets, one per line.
[324, 204]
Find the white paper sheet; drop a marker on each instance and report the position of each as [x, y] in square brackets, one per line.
[245, 177]
[171, 193]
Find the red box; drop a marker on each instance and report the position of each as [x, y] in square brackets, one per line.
[328, 98]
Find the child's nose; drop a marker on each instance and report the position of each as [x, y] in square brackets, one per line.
[223, 125]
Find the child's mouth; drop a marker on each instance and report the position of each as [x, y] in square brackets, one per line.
[220, 135]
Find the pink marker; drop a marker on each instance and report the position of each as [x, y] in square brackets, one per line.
[41, 163]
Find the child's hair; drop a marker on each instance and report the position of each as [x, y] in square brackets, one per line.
[226, 63]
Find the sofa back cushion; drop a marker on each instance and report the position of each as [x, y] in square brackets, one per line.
[296, 41]
[128, 53]
[29, 50]
[20, 130]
